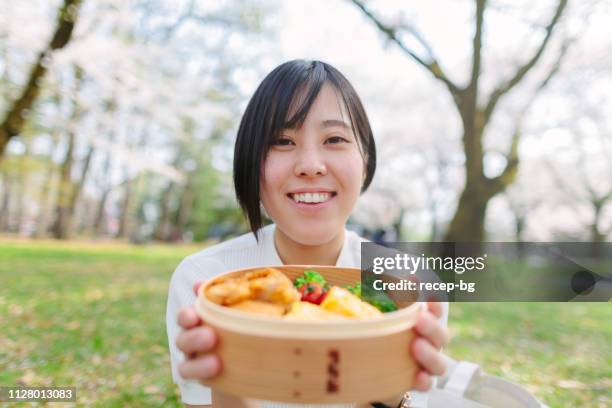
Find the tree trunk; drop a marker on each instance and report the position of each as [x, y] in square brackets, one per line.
[164, 225]
[145, 186]
[597, 236]
[433, 211]
[397, 225]
[16, 118]
[183, 212]
[98, 225]
[6, 201]
[64, 193]
[76, 194]
[468, 223]
[66, 187]
[125, 210]
[167, 227]
[47, 187]
[22, 186]
[78, 186]
[519, 228]
[41, 221]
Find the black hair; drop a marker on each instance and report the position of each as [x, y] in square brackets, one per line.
[267, 114]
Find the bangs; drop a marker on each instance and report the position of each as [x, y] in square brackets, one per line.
[297, 91]
[296, 96]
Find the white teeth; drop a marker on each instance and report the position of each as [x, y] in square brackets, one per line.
[311, 197]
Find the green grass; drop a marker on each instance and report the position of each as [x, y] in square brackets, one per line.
[559, 351]
[88, 316]
[93, 316]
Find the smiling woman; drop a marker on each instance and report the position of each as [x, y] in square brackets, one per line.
[304, 152]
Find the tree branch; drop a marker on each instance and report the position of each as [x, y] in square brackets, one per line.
[171, 29]
[555, 68]
[522, 71]
[507, 176]
[593, 196]
[432, 65]
[477, 44]
[512, 158]
[191, 13]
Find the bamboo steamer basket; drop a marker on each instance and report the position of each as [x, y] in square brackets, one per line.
[352, 361]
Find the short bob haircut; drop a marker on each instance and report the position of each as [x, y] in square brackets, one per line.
[267, 114]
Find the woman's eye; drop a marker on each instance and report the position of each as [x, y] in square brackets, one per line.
[282, 141]
[335, 140]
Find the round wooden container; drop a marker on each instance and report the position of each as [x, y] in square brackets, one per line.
[312, 362]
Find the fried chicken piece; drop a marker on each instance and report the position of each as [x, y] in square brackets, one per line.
[271, 285]
[260, 308]
[266, 285]
[228, 291]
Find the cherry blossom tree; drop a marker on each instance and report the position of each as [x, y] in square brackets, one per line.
[475, 109]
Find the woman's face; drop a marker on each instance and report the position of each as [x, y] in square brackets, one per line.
[313, 175]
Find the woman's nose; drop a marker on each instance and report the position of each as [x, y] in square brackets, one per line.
[310, 163]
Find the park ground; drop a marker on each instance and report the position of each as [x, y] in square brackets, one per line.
[92, 315]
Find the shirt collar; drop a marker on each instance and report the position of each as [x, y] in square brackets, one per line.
[345, 259]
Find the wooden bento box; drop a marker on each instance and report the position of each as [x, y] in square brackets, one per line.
[348, 361]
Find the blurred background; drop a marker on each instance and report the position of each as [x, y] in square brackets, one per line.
[117, 120]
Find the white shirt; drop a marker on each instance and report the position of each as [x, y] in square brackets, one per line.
[237, 253]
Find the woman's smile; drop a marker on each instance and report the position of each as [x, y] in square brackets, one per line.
[312, 200]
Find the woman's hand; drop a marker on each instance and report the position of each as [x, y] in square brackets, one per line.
[197, 341]
[430, 337]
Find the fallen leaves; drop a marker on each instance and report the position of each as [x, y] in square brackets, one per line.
[571, 385]
[28, 378]
[73, 325]
[93, 295]
[15, 310]
[31, 378]
[151, 389]
[96, 359]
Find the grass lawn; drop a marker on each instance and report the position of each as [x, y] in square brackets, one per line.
[93, 316]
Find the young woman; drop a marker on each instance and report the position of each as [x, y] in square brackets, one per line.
[304, 152]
